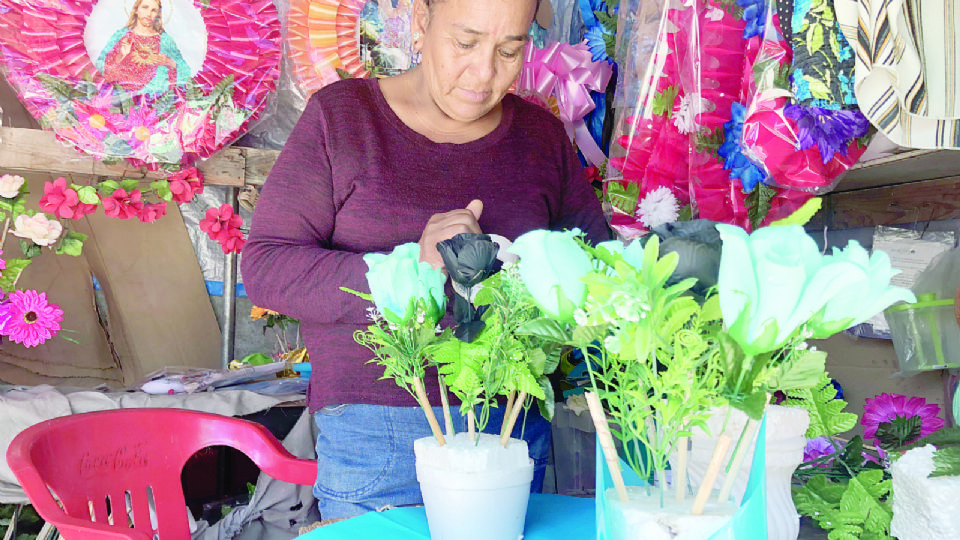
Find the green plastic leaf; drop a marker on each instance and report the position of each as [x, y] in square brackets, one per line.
[826, 412]
[129, 184]
[9, 275]
[88, 194]
[544, 328]
[898, 432]
[71, 244]
[162, 187]
[107, 187]
[947, 462]
[801, 215]
[256, 359]
[664, 100]
[623, 198]
[29, 249]
[802, 372]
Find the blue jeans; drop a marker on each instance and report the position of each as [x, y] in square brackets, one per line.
[365, 455]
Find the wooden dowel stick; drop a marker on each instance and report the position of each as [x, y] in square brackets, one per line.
[749, 431]
[471, 425]
[606, 444]
[514, 414]
[428, 410]
[508, 410]
[710, 478]
[447, 418]
[680, 479]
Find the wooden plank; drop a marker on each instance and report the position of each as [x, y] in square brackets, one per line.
[33, 150]
[911, 166]
[930, 200]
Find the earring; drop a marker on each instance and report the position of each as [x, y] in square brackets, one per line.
[416, 37]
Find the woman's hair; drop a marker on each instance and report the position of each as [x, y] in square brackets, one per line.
[431, 3]
[157, 23]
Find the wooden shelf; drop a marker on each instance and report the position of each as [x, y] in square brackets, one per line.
[33, 150]
[905, 167]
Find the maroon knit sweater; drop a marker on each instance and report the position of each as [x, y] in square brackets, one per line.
[353, 179]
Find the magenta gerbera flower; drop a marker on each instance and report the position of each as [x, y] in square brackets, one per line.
[27, 317]
[890, 407]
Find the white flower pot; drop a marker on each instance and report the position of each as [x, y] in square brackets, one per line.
[924, 508]
[785, 441]
[474, 490]
[643, 518]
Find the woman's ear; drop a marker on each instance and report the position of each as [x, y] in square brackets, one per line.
[419, 23]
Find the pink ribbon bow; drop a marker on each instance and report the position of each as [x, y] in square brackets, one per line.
[569, 73]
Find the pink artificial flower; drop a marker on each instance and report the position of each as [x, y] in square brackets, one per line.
[186, 183]
[27, 317]
[3, 263]
[121, 205]
[887, 407]
[221, 223]
[63, 201]
[152, 212]
[233, 242]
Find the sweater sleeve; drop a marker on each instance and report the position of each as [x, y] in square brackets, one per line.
[289, 264]
[579, 206]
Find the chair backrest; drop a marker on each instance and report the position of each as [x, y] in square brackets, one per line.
[106, 470]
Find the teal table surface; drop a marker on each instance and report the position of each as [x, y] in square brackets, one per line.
[549, 517]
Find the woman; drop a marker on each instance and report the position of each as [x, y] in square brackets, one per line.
[141, 57]
[423, 156]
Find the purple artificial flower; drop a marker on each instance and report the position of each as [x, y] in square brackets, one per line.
[817, 448]
[830, 130]
[889, 407]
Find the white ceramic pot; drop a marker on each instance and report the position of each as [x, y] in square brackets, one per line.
[474, 490]
[785, 441]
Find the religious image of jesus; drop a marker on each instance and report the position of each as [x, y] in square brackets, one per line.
[141, 57]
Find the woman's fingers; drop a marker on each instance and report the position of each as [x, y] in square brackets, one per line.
[443, 226]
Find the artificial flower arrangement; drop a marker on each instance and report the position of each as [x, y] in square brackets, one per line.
[27, 316]
[660, 358]
[849, 487]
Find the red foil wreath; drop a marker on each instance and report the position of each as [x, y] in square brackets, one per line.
[140, 99]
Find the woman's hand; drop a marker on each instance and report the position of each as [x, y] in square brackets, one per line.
[444, 226]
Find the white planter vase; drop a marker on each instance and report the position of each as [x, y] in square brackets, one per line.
[924, 508]
[474, 490]
[785, 441]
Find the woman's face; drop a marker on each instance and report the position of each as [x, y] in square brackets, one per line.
[472, 52]
[147, 13]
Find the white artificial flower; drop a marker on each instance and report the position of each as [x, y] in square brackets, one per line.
[577, 404]
[685, 113]
[714, 13]
[38, 228]
[10, 185]
[658, 207]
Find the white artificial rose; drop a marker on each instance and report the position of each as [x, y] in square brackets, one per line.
[10, 185]
[38, 228]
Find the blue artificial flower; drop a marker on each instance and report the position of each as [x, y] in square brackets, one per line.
[755, 15]
[830, 130]
[734, 161]
[598, 47]
[588, 7]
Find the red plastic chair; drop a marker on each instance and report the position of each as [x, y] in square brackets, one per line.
[96, 475]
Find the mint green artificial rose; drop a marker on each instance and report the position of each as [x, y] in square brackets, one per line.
[400, 281]
[551, 266]
[868, 295]
[773, 281]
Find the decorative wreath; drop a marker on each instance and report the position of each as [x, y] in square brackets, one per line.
[329, 39]
[189, 86]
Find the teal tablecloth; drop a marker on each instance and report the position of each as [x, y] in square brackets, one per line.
[549, 517]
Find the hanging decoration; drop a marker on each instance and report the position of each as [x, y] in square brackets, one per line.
[159, 83]
[331, 39]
